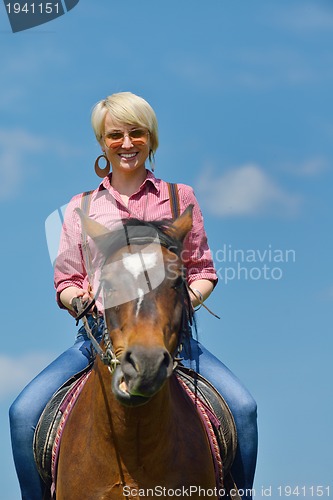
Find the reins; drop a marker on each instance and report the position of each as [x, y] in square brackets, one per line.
[201, 303]
[107, 356]
[106, 353]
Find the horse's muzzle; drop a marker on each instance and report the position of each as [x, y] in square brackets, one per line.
[141, 374]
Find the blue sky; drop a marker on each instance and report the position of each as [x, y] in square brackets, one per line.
[243, 95]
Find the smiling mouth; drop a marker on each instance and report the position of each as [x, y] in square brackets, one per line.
[128, 156]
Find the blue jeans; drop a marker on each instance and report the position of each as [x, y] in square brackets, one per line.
[28, 406]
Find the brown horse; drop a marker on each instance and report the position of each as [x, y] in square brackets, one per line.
[143, 437]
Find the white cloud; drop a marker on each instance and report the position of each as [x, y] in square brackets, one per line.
[261, 67]
[18, 70]
[21, 140]
[306, 16]
[15, 147]
[244, 191]
[15, 144]
[9, 173]
[17, 371]
[328, 294]
[325, 294]
[253, 68]
[312, 167]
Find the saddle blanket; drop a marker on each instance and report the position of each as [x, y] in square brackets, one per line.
[211, 407]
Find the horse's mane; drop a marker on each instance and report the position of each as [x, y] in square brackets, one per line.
[136, 231]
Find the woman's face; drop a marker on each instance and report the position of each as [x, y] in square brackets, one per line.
[126, 153]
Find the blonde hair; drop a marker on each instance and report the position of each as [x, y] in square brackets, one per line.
[127, 108]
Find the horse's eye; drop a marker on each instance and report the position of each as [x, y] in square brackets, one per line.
[178, 283]
[107, 286]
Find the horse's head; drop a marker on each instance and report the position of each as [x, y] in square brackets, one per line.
[145, 300]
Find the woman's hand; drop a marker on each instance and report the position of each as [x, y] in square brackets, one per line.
[72, 292]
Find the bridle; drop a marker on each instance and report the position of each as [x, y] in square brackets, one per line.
[107, 355]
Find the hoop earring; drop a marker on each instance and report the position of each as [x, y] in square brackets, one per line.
[151, 159]
[102, 172]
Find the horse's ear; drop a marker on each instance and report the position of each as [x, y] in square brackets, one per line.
[182, 225]
[91, 227]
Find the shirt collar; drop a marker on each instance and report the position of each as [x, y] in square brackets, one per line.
[150, 179]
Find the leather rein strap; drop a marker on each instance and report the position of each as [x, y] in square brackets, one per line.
[108, 356]
[82, 309]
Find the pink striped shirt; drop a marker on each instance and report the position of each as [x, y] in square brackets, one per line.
[150, 202]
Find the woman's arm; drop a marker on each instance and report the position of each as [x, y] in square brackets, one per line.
[69, 273]
[204, 287]
[201, 274]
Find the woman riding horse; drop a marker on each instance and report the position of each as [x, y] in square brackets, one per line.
[125, 126]
[141, 432]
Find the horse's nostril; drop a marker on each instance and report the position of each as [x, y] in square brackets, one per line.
[168, 363]
[146, 368]
[166, 359]
[131, 359]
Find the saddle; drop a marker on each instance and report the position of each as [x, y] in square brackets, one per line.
[52, 421]
[219, 424]
[212, 408]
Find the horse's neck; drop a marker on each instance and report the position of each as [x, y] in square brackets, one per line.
[151, 444]
[140, 426]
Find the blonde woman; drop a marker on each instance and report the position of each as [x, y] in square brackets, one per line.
[125, 126]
